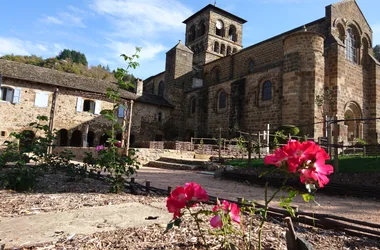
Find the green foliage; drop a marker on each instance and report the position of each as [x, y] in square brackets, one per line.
[111, 158]
[65, 63]
[22, 177]
[25, 148]
[289, 130]
[376, 52]
[73, 56]
[360, 142]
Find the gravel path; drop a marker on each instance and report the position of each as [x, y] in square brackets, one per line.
[349, 207]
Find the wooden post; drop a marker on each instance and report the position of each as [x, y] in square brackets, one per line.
[124, 124]
[268, 138]
[85, 134]
[336, 153]
[259, 145]
[132, 180]
[147, 187]
[240, 200]
[129, 128]
[51, 119]
[170, 189]
[249, 148]
[220, 144]
[329, 138]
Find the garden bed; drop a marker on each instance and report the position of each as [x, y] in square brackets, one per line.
[58, 193]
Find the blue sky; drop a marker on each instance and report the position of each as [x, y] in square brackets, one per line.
[103, 29]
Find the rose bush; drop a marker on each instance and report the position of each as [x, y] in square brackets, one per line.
[305, 160]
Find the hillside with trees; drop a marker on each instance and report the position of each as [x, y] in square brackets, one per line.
[69, 61]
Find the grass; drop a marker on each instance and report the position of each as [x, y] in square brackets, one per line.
[347, 164]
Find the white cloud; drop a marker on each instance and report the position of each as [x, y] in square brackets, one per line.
[73, 18]
[148, 51]
[143, 17]
[51, 20]
[12, 45]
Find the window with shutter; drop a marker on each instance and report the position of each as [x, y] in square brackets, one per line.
[16, 96]
[41, 100]
[79, 104]
[6, 94]
[97, 108]
[120, 112]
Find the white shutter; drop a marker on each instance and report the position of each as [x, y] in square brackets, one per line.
[97, 107]
[16, 96]
[120, 112]
[42, 100]
[79, 104]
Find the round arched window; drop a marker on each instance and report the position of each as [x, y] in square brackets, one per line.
[267, 91]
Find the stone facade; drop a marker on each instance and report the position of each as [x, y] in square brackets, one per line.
[78, 104]
[211, 84]
[278, 81]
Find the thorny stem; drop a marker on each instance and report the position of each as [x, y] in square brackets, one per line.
[264, 217]
[195, 216]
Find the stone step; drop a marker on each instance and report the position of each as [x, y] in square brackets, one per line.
[171, 165]
[196, 162]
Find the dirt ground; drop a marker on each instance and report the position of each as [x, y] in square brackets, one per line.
[348, 207]
[80, 214]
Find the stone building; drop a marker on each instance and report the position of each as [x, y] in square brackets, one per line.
[214, 83]
[27, 91]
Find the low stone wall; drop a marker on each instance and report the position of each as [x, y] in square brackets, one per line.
[144, 155]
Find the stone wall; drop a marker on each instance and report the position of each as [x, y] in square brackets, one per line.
[144, 155]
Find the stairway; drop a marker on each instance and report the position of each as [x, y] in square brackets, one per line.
[178, 164]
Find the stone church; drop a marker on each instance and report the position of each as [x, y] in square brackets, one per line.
[302, 77]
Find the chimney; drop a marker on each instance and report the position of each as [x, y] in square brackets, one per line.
[139, 87]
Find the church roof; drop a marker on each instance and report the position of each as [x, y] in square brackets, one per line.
[183, 47]
[217, 10]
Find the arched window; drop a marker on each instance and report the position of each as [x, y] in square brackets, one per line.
[216, 75]
[228, 50]
[76, 139]
[219, 28]
[90, 138]
[161, 88]
[216, 47]
[201, 28]
[103, 140]
[232, 35]
[193, 105]
[63, 137]
[267, 91]
[234, 50]
[365, 50]
[351, 46]
[192, 34]
[222, 100]
[222, 49]
[251, 66]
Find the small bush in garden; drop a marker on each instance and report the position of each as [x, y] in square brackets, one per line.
[111, 157]
[23, 149]
[305, 160]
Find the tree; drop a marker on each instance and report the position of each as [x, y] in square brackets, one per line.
[376, 52]
[73, 56]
